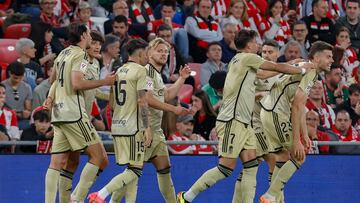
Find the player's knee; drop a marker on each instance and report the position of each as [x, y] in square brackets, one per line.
[225, 170]
[251, 163]
[138, 171]
[164, 171]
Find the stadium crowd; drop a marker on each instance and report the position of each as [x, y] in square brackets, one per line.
[201, 34]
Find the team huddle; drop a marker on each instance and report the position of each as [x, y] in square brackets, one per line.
[262, 117]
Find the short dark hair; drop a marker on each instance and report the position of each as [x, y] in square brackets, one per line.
[319, 46]
[75, 31]
[315, 2]
[212, 44]
[135, 44]
[271, 43]
[42, 116]
[120, 19]
[217, 80]
[353, 88]
[271, 4]
[299, 22]
[354, 1]
[16, 68]
[164, 27]
[2, 85]
[97, 36]
[342, 111]
[169, 3]
[243, 37]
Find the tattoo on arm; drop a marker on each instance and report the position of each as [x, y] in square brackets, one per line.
[144, 109]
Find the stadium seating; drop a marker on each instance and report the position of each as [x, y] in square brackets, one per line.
[17, 31]
[8, 53]
[196, 67]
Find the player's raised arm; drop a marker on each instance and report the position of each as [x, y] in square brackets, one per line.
[286, 68]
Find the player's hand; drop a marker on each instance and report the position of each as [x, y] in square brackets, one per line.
[110, 79]
[297, 150]
[307, 143]
[147, 137]
[47, 103]
[181, 111]
[185, 71]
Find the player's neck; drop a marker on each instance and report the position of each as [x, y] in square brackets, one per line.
[156, 66]
[134, 59]
[82, 44]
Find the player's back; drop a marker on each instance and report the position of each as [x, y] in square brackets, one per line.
[69, 105]
[283, 92]
[239, 88]
[126, 115]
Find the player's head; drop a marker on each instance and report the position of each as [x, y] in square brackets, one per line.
[245, 41]
[137, 50]
[79, 33]
[95, 46]
[270, 50]
[158, 51]
[2, 94]
[321, 54]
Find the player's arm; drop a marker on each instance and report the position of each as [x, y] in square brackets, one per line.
[144, 112]
[111, 98]
[265, 74]
[156, 104]
[173, 90]
[285, 68]
[51, 96]
[297, 116]
[79, 83]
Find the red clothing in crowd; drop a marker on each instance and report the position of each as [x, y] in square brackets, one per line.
[188, 149]
[9, 120]
[326, 113]
[156, 24]
[351, 135]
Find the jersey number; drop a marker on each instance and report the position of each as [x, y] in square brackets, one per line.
[61, 76]
[120, 92]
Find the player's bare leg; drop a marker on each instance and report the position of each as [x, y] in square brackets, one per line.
[66, 175]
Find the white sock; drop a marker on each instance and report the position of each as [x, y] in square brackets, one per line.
[103, 193]
[189, 196]
[270, 197]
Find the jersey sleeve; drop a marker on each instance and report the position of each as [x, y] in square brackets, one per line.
[252, 61]
[307, 81]
[144, 82]
[79, 63]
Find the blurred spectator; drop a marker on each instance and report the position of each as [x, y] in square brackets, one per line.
[227, 43]
[343, 128]
[68, 9]
[320, 27]
[170, 72]
[205, 116]
[237, 14]
[279, 28]
[336, 91]
[41, 91]
[4, 137]
[110, 55]
[213, 62]
[185, 126]
[292, 50]
[8, 117]
[352, 105]
[355, 79]
[215, 88]
[300, 33]
[316, 102]
[180, 38]
[120, 29]
[47, 13]
[40, 131]
[257, 10]
[18, 94]
[202, 29]
[84, 14]
[188, 7]
[47, 47]
[312, 123]
[350, 60]
[351, 22]
[118, 8]
[219, 9]
[33, 73]
[141, 13]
